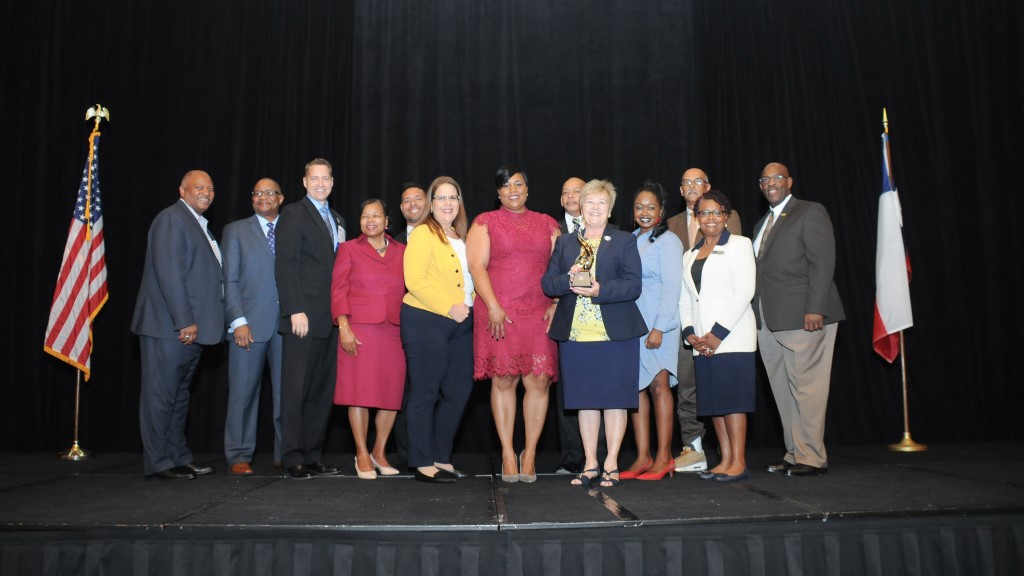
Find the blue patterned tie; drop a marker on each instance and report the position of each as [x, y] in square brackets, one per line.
[271, 238]
[330, 226]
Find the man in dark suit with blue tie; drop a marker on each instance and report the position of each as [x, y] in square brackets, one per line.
[252, 313]
[307, 240]
[179, 309]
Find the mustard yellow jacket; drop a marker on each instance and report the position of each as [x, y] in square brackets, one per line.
[433, 273]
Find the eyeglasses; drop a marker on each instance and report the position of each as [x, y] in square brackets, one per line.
[696, 182]
[774, 177]
[453, 198]
[716, 213]
[267, 193]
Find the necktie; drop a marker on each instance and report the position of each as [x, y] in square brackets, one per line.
[764, 235]
[271, 238]
[211, 240]
[576, 225]
[691, 227]
[330, 226]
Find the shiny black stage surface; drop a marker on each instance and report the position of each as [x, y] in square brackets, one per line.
[954, 509]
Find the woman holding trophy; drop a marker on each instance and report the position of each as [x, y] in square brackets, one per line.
[596, 277]
[508, 250]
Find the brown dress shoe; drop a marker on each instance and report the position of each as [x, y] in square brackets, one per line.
[241, 469]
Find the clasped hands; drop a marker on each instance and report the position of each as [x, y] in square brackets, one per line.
[705, 345]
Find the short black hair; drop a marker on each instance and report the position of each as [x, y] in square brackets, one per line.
[506, 172]
[717, 196]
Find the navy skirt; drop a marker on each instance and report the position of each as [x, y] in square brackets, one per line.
[725, 383]
[599, 375]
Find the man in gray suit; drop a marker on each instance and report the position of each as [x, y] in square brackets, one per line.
[252, 312]
[797, 308]
[692, 187]
[179, 309]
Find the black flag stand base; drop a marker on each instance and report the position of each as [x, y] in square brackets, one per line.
[76, 453]
[907, 444]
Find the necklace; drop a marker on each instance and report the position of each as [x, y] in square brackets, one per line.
[384, 249]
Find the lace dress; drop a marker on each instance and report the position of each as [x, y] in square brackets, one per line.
[520, 250]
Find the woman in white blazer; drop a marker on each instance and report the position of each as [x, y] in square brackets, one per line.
[719, 275]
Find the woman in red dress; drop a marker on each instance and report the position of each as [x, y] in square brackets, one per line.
[508, 251]
[366, 299]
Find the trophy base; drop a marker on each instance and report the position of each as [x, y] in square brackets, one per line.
[580, 280]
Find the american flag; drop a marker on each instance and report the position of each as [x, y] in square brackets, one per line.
[82, 285]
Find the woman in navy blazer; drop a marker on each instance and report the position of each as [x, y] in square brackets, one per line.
[598, 329]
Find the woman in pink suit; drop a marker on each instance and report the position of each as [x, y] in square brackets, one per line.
[366, 298]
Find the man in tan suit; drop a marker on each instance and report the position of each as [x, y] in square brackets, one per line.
[684, 225]
[797, 308]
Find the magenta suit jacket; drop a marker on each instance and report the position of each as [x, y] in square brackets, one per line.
[366, 287]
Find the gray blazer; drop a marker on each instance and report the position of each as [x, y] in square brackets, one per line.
[182, 283]
[249, 286]
[795, 272]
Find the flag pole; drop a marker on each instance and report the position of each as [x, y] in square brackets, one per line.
[76, 453]
[907, 444]
[97, 113]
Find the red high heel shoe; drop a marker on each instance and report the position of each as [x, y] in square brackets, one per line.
[670, 470]
[627, 475]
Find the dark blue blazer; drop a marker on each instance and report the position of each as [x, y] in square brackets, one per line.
[182, 282]
[618, 271]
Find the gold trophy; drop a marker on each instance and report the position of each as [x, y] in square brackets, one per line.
[585, 261]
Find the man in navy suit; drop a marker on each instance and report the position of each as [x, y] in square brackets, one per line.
[797, 309]
[568, 424]
[252, 312]
[179, 309]
[307, 240]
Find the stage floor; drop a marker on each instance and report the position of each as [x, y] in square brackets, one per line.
[41, 491]
[106, 497]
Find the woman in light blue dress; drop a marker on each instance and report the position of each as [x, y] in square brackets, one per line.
[661, 255]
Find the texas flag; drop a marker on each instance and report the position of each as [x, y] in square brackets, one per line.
[892, 268]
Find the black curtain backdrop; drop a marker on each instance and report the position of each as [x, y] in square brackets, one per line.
[395, 90]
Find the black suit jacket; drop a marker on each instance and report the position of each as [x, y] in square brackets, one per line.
[618, 271]
[304, 265]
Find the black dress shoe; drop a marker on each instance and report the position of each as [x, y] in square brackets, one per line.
[321, 469]
[778, 467]
[300, 472]
[441, 477]
[198, 469]
[454, 472]
[179, 473]
[567, 467]
[806, 470]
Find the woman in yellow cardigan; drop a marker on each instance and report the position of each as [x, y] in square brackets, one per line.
[437, 332]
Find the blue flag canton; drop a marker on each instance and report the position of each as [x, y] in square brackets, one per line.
[95, 208]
